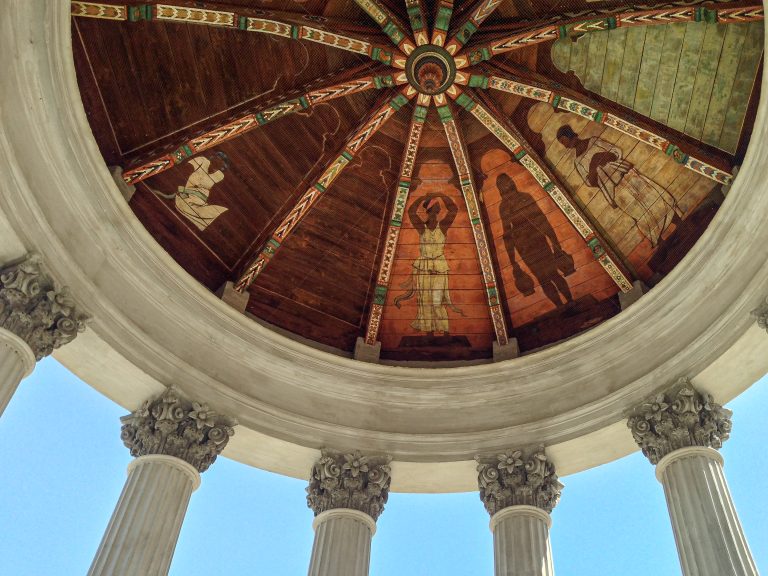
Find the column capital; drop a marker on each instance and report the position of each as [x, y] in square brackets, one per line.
[518, 477]
[353, 480]
[174, 426]
[679, 418]
[36, 309]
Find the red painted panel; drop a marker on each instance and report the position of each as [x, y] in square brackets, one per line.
[436, 307]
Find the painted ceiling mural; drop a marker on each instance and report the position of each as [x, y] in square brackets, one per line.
[443, 178]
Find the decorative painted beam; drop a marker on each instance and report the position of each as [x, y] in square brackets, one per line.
[391, 26]
[396, 220]
[471, 24]
[247, 122]
[272, 23]
[442, 22]
[563, 100]
[458, 147]
[555, 29]
[515, 143]
[372, 124]
[418, 17]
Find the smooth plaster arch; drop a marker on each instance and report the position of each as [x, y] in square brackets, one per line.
[154, 325]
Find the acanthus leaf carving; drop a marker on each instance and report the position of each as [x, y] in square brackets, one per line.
[350, 481]
[513, 478]
[679, 418]
[172, 425]
[36, 309]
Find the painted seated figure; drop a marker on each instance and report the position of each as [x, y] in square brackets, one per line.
[602, 165]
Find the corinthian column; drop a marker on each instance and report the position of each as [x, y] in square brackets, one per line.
[519, 492]
[347, 493]
[679, 431]
[174, 440]
[36, 316]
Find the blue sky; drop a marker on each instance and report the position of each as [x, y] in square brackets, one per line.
[63, 467]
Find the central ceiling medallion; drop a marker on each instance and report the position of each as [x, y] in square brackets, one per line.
[430, 69]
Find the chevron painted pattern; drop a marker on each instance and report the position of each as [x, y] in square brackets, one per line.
[312, 195]
[483, 10]
[100, 11]
[248, 122]
[512, 143]
[705, 12]
[461, 160]
[227, 19]
[563, 102]
[388, 23]
[396, 219]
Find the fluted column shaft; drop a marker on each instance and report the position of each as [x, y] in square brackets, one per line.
[16, 362]
[145, 526]
[342, 544]
[709, 537]
[521, 542]
[173, 439]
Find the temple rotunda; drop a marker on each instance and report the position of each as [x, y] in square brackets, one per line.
[386, 246]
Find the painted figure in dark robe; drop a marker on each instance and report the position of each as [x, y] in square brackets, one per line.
[601, 165]
[429, 274]
[528, 233]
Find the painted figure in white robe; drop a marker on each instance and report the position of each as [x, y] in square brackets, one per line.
[192, 198]
[429, 275]
[602, 165]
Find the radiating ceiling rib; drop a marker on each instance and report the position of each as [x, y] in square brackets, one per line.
[457, 144]
[418, 17]
[238, 126]
[392, 27]
[373, 123]
[396, 219]
[523, 153]
[324, 31]
[442, 22]
[568, 100]
[469, 25]
[554, 29]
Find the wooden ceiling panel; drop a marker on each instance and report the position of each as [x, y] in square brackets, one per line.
[165, 79]
[275, 308]
[181, 240]
[329, 261]
[95, 107]
[249, 195]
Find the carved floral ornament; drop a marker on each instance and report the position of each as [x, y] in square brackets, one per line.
[513, 479]
[350, 481]
[679, 418]
[172, 425]
[36, 309]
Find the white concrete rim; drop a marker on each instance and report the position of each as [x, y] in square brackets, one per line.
[520, 510]
[165, 460]
[687, 452]
[347, 513]
[21, 348]
[153, 325]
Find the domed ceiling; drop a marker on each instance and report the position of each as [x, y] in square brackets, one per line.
[433, 176]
